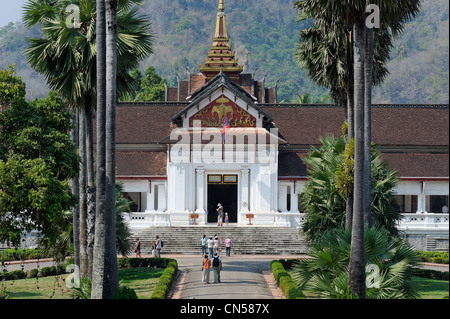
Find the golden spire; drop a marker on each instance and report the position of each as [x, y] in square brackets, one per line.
[220, 55]
[221, 24]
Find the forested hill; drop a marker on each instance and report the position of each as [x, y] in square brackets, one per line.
[264, 34]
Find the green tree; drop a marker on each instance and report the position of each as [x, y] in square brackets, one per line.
[37, 159]
[149, 87]
[329, 180]
[152, 86]
[11, 86]
[67, 56]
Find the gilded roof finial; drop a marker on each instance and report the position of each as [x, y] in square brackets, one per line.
[221, 5]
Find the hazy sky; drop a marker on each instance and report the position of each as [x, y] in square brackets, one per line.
[10, 11]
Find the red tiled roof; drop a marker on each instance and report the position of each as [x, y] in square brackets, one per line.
[144, 124]
[141, 163]
[418, 164]
[301, 126]
[390, 126]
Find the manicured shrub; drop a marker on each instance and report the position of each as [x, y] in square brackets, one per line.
[14, 275]
[123, 292]
[430, 273]
[143, 262]
[284, 281]
[33, 273]
[439, 257]
[22, 254]
[290, 289]
[278, 271]
[165, 281]
[53, 270]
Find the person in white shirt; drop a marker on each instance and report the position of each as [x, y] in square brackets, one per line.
[210, 244]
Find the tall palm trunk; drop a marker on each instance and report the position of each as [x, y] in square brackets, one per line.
[111, 268]
[82, 193]
[98, 272]
[350, 127]
[90, 187]
[76, 192]
[368, 60]
[357, 253]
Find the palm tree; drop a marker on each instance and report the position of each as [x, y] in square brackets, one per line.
[67, 58]
[111, 268]
[321, 199]
[352, 14]
[326, 53]
[326, 273]
[98, 274]
[324, 196]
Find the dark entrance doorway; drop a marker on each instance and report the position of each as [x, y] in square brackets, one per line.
[224, 193]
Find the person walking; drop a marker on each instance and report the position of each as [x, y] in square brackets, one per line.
[216, 244]
[219, 214]
[204, 245]
[210, 244]
[137, 248]
[217, 267]
[205, 269]
[158, 247]
[228, 244]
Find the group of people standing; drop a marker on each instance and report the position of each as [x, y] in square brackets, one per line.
[156, 247]
[212, 246]
[212, 258]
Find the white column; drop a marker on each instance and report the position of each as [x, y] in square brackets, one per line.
[282, 190]
[294, 199]
[162, 198]
[244, 190]
[421, 200]
[200, 190]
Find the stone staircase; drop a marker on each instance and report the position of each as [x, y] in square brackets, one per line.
[246, 240]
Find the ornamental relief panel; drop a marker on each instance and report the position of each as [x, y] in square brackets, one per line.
[214, 113]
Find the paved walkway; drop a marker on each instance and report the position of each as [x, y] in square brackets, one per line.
[242, 277]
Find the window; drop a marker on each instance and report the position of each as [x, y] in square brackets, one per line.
[135, 201]
[437, 202]
[407, 203]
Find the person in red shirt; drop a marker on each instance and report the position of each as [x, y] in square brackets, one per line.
[205, 269]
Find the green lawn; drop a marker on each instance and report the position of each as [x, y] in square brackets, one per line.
[142, 280]
[431, 288]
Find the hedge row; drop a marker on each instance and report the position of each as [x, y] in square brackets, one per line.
[285, 282]
[167, 278]
[33, 273]
[430, 273]
[438, 257]
[144, 262]
[12, 254]
[165, 281]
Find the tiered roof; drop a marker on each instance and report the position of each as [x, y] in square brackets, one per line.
[221, 57]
